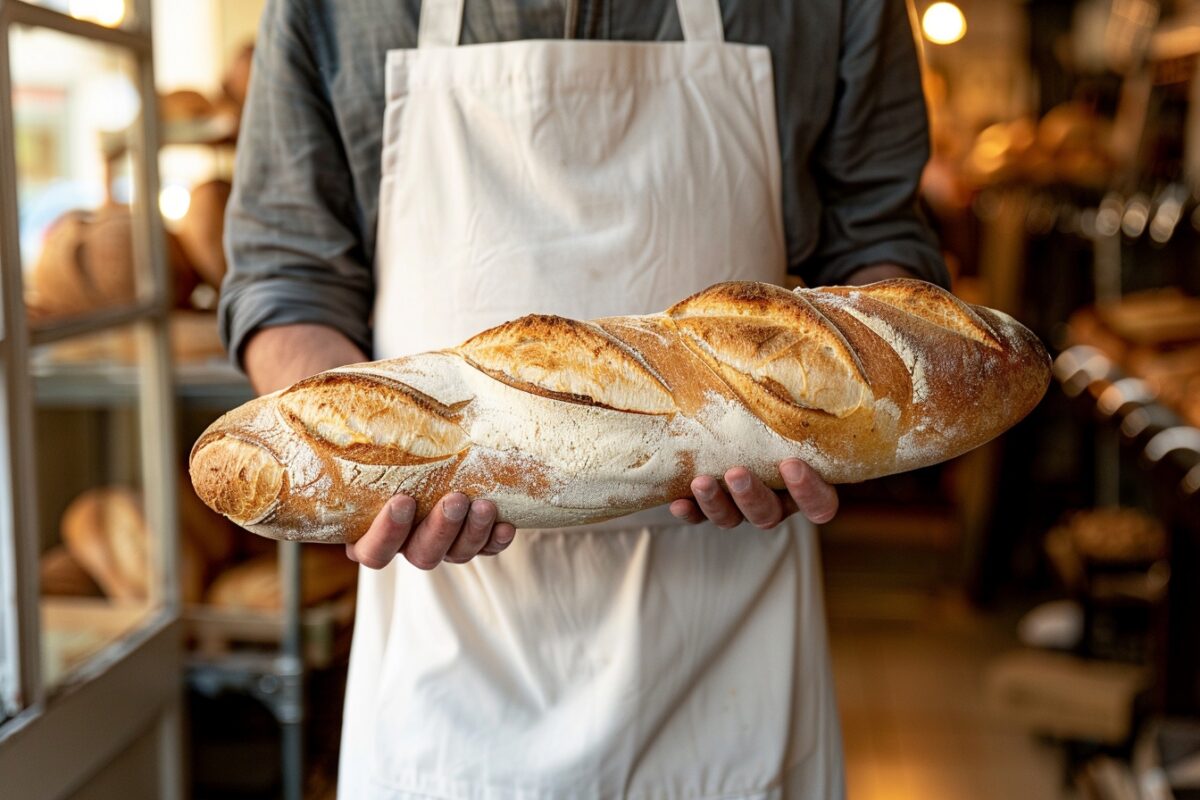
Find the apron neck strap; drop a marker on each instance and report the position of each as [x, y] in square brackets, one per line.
[701, 20]
[441, 22]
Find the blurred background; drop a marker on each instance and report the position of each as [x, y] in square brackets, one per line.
[1018, 623]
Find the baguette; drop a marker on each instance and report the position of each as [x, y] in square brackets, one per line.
[565, 423]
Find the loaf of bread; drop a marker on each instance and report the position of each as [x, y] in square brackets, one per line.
[106, 533]
[254, 584]
[202, 230]
[566, 423]
[87, 263]
[212, 535]
[60, 574]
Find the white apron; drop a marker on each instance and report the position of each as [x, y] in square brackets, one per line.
[640, 658]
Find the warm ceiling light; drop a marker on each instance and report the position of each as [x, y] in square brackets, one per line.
[174, 201]
[943, 23]
[109, 13]
[110, 102]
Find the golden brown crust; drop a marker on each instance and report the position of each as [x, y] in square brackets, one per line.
[237, 477]
[563, 422]
[927, 302]
[568, 360]
[371, 420]
[105, 532]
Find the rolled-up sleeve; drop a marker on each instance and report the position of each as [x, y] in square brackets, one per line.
[869, 160]
[293, 236]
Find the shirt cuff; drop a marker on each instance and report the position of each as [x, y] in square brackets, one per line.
[270, 302]
[923, 259]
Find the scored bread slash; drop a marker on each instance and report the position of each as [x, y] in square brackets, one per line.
[562, 422]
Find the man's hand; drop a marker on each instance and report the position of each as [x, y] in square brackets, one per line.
[455, 531]
[748, 498]
[877, 272]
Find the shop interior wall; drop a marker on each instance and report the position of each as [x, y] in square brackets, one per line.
[132, 774]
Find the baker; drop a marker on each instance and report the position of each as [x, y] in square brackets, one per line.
[408, 176]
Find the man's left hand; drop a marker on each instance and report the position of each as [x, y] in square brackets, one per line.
[745, 497]
[748, 498]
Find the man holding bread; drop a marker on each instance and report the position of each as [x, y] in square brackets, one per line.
[412, 173]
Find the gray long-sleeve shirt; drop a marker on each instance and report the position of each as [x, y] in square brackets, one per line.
[300, 231]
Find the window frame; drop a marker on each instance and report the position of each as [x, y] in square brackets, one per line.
[134, 685]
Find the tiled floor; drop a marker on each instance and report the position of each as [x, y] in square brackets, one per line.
[914, 725]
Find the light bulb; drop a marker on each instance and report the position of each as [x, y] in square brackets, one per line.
[110, 102]
[109, 13]
[943, 23]
[174, 201]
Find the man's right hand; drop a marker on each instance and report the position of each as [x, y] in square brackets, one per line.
[455, 531]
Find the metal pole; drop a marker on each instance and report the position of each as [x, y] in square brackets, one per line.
[290, 708]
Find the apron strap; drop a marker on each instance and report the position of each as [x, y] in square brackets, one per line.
[701, 20]
[441, 22]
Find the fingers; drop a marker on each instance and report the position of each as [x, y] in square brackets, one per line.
[758, 504]
[749, 498]
[455, 531]
[474, 534]
[388, 532]
[502, 536]
[715, 503]
[433, 537]
[687, 511]
[815, 498]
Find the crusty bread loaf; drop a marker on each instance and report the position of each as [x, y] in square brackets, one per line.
[564, 423]
[87, 263]
[61, 575]
[324, 573]
[203, 228]
[106, 533]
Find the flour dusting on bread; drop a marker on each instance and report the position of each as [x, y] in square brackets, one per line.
[562, 422]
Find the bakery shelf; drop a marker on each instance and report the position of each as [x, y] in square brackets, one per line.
[214, 384]
[212, 131]
[74, 629]
[218, 633]
[48, 331]
[1168, 453]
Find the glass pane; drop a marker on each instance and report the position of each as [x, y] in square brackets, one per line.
[75, 108]
[9, 689]
[109, 13]
[98, 550]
